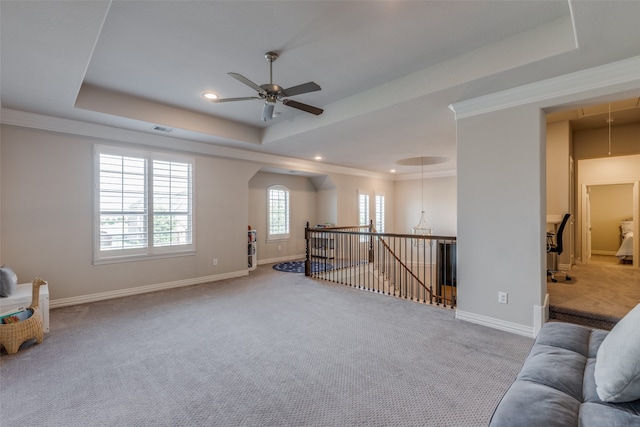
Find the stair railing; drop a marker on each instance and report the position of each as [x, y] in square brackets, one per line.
[417, 267]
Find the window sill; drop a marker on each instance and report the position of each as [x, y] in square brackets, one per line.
[136, 258]
[277, 238]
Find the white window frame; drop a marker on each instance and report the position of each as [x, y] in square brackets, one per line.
[364, 208]
[145, 194]
[364, 212]
[379, 212]
[286, 232]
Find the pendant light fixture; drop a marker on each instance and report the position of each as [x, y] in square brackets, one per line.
[422, 228]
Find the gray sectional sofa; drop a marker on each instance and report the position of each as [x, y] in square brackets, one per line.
[577, 376]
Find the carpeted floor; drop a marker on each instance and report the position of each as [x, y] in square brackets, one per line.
[597, 295]
[269, 349]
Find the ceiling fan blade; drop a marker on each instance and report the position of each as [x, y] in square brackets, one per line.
[304, 107]
[246, 98]
[300, 89]
[243, 79]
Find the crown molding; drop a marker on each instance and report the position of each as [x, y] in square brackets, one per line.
[109, 133]
[615, 73]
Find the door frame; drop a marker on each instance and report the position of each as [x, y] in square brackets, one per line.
[586, 214]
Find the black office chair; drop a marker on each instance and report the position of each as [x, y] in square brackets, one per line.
[556, 247]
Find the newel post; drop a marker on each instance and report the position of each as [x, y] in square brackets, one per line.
[371, 241]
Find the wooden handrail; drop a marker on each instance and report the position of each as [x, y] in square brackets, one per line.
[388, 248]
[404, 270]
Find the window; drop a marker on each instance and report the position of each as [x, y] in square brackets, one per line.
[144, 204]
[363, 209]
[277, 212]
[380, 213]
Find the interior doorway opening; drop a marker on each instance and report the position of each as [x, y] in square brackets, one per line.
[607, 216]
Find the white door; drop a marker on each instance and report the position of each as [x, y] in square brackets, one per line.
[587, 225]
[572, 211]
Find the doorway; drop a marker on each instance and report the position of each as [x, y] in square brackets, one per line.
[606, 209]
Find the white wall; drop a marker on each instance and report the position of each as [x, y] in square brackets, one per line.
[327, 201]
[559, 148]
[609, 170]
[47, 193]
[501, 211]
[557, 158]
[440, 204]
[347, 200]
[47, 209]
[302, 201]
[610, 204]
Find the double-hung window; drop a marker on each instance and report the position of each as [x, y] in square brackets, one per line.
[278, 213]
[143, 204]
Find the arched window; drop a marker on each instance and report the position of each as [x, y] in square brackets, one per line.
[277, 212]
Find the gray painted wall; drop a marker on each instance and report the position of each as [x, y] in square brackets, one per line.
[501, 206]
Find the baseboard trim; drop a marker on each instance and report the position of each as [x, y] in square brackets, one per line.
[540, 315]
[83, 299]
[603, 252]
[494, 323]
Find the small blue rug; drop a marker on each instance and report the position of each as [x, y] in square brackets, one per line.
[298, 267]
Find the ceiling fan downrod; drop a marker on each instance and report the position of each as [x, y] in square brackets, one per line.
[271, 56]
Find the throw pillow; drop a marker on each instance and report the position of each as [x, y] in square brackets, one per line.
[8, 281]
[617, 371]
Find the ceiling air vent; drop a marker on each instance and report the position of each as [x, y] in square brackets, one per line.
[162, 129]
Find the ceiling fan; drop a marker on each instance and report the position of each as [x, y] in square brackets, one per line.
[272, 93]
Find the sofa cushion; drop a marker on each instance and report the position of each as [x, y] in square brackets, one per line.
[555, 367]
[556, 385]
[597, 415]
[617, 371]
[8, 281]
[526, 404]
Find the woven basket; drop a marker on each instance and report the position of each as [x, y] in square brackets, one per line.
[12, 335]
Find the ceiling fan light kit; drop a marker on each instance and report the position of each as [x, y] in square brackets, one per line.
[272, 93]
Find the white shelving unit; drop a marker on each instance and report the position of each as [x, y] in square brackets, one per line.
[251, 251]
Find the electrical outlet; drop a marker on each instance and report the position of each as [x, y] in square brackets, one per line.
[215, 262]
[279, 247]
[503, 297]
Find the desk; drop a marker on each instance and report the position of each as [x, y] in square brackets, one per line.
[22, 296]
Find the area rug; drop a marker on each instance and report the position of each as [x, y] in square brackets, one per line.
[298, 267]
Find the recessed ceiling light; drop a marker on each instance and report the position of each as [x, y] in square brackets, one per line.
[210, 95]
[392, 171]
[318, 157]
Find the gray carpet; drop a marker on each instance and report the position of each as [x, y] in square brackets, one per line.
[597, 295]
[270, 349]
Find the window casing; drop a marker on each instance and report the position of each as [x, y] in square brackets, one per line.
[278, 212]
[143, 205]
